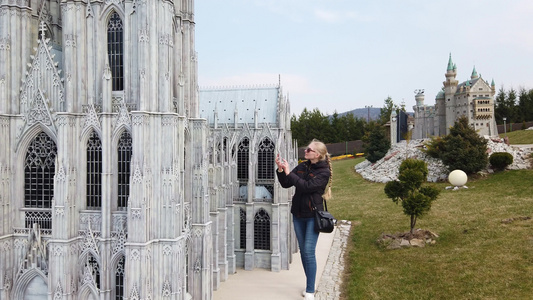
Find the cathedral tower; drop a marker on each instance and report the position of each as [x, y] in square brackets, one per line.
[103, 176]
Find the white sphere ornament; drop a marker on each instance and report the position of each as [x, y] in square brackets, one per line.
[457, 178]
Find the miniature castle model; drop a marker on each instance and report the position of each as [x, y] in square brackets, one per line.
[112, 186]
[473, 98]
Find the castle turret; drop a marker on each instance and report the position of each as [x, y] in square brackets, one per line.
[419, 98]
[450, 88]
[474, 74]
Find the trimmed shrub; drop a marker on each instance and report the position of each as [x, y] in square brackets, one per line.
[500, 160]
[415, 199]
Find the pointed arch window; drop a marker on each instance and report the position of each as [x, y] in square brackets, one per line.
[94, 172]
[242, 229]
[243, 159]
[265, 169]
[92, 269]
[39, 172]
[119, 279]
[124, 165]
[115, 50]
[262, 230]
[225, 148]
[265, 165]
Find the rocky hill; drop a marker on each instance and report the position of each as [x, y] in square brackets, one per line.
[386, 169]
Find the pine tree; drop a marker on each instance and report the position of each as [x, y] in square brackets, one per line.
[377, 144]
[463, 149]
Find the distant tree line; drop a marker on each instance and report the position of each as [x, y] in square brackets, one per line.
[339, 128]
[516, 106]
[329, 129]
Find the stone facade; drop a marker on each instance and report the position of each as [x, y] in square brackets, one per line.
[110, 185]
[248, 127]
[473, 99]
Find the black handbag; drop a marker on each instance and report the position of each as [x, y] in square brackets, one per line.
[324, 221]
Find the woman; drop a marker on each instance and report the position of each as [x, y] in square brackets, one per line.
[312, 180]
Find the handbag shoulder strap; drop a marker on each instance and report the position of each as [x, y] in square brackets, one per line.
[313, 206]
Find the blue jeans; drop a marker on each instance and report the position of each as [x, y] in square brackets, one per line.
[307, 239]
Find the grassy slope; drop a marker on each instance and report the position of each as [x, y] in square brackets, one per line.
[520, 137]
[476, 256]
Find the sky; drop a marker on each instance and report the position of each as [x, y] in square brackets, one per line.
[339, 55]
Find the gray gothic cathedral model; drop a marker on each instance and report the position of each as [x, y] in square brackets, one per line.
[119, 179]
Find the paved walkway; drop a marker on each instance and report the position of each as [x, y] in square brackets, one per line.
[262, 284]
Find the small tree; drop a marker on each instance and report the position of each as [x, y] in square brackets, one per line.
[376, 144]
[416, 199]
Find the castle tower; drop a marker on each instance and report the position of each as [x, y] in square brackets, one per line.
[420, 114]
[450, 87]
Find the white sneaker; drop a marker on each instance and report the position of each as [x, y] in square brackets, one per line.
[309, 296]
[303, 293]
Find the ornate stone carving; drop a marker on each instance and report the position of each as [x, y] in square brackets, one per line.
[119, 241]
[90, 241]
[60, 211]
[58, 251]
[134, 294]
[123, 117]
[91, 119]
[198, 233]
[61, 176]
[137, 120]
[166, 39]
[58, 294]
[89, 10]
[73, 286]
[197, 266]
[136, 213]
[120, 222]
[7, 282]
[39, 111]
[148, 255]
[143, 35]
[6, 246]
[135, 255]
[5, 43]
[137, 174]
[118, 2]
[167, 289]
[74, 249]
[70, 40]
[36, 251]
[167, 250]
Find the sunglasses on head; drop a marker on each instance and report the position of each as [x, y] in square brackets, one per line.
[309, 150]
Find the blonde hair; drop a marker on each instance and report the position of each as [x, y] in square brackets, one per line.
[322, 150]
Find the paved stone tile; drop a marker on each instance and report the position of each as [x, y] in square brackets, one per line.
[331, 280]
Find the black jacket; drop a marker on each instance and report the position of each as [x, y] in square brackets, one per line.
[310, 181]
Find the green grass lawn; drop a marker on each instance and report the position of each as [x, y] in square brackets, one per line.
[476, 256]
[519, 137]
